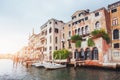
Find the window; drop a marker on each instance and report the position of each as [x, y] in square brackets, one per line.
[45, 49]
[63, 46]
[50, 39]
[73, 17]
[82, 20]
[116, 45]
[56, 30]
[49, 22]
[69, 44]
[42, 32]
[63, 27]
[55, 22]
[56, 48]
[72, 23]
[114, 21]
[117, 54]
[82, 30]
[69, 25]
[87, 54]
[50, 30]
[116, 34]
[78, 31]
[46, 41]
[79, 21]
[50, 48]
[76, 54]
[86, 18]
[96, 14]
[75, 31]
[63, 35]
[82, 54]
[75, 22]
[79, 14]
[97, 25]
[114, 10]
[56, 40]
[95, 53]
[86, 30]
[69, 33]
[46, 32]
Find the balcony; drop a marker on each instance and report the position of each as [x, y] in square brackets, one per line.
[69, 38]
[42, 37]
[62, 40]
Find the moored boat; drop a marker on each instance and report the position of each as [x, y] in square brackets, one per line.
[54, 66]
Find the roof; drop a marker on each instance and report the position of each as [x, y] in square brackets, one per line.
[79, 11]
[118, 2]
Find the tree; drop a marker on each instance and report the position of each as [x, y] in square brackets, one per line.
[61, 54]
[90, 42]
[101, 33]
[78, 43]
[76, 38]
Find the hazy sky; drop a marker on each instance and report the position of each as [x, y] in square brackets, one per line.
[19, 17]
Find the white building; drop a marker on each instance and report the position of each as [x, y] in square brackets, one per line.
[48, 40]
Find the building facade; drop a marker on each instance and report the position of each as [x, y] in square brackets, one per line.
[56, 34]
[114, 10]
[48, 40]
[83, 23]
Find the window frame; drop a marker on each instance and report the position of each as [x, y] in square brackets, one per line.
[114, 10]
[116, 45]
[97, 14]
[116, 34]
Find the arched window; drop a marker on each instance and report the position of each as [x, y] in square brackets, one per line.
[69, 33]
[78, 31]
[95, 53]
[56, 48]
[76, 54]
[82, 30]
[88, 54]
[116, 34]
[86, 30]
[97, 25]
[115, 21]
[56, 40]
[82, 55]
[75, 31]
[50, 30]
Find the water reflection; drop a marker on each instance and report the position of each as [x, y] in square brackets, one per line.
[10, 72]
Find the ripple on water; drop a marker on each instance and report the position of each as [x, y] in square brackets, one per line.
[19, 72]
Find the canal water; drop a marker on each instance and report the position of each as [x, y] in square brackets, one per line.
[8, 71]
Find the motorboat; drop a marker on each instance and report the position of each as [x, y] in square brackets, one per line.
[54, 65]
[38, 64]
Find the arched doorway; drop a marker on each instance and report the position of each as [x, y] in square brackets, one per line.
[82, 55]
[95, 53]
[87, 54]
[76, 54]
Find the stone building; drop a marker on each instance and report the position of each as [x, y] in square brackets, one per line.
[31, 44]
[56, 34]
[114, 10]
[48, 40]
[83, 23]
